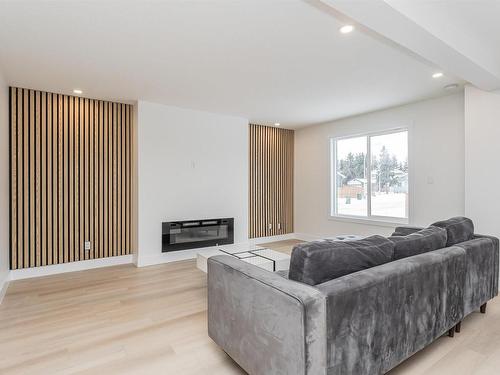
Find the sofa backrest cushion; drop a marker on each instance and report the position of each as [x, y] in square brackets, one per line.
[419, 242]
[404, 231]
[319, 261]
[458, 229]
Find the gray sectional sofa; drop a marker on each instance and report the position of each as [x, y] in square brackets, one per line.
[359, 307]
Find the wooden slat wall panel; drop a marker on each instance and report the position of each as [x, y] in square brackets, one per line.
[271, 181]
[13, 181]
[25, 189]
[101, 183]
[70, 178]
[77, 180]
[37, 158]
[60, 173]
[49, 171]
[43, 171]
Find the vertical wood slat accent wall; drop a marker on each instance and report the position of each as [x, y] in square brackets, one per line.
[71, 178]
[271, 181]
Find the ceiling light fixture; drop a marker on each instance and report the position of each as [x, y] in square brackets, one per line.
[277, 124]
[77, 91]
[451, 86]
[346, 29]
[437, 75]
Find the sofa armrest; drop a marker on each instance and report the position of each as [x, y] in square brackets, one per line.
[380, 316]
[481, 283]
[405, 230]
[266, 323]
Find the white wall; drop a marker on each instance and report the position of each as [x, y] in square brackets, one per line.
[4, 183]
[482, 139]
[191, 165]
[436, 152]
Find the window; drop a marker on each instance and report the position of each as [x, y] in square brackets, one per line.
[370, 176]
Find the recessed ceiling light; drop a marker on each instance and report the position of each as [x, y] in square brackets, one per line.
[277, 124]
[346, 29]
[437, 75]
[77, 91]
[451, 86]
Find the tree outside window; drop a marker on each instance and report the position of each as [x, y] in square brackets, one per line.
[370, 174]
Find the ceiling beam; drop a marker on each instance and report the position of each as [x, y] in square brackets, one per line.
[384, 20]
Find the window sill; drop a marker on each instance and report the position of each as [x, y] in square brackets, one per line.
[366, 221]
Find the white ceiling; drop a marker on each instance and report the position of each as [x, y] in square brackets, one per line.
[470, 26]
[265, 60]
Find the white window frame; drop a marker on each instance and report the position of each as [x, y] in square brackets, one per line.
[369, 219]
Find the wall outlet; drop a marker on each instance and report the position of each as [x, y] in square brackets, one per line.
[279, 225]
[270, 226]
[87, 245]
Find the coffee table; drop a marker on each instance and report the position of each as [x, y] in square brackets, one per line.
[345, 237]
[259, 256]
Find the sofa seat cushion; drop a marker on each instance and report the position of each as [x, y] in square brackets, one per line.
[424, 240]
[319, 261]
[458, 229]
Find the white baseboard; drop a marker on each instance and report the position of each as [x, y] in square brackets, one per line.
[175, 256]
[139, 261]
[54, 269]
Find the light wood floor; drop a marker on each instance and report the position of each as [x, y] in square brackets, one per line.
[127, 320]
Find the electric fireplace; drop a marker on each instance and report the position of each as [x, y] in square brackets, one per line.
[192, 234]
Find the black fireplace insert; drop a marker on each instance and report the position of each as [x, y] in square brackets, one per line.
[191, 234]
